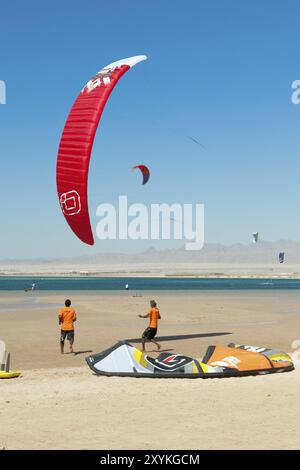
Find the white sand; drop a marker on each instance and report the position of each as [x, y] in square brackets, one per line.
[74, 409]
[59, 403]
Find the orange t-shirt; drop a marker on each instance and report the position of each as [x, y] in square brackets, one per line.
[154, 316]
[67, 316]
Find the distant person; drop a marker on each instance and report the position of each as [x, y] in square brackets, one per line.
[151, 331]
[66, 318]
[126, 286]
[31, 289]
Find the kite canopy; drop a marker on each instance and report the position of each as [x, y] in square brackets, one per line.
[123, 359]
[145, 172]
[76, 145]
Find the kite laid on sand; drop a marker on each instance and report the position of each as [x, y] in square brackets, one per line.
[123, 359]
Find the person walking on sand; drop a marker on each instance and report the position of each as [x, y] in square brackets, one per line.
[66, 318]
[151, 331]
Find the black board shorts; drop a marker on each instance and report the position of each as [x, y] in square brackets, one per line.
[149, 333]
[66, 333]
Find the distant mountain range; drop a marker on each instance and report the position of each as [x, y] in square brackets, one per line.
[263, 253]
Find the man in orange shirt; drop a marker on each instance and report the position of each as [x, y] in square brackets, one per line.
[66, 318]
[151, 331]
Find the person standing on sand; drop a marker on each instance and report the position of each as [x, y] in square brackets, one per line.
[151, 331]
[66, 318]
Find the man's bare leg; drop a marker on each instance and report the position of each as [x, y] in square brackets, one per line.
[143, 345]
[62, 347]
[156, 344]
[71, 345]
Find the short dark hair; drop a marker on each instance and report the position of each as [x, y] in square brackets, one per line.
[68, 303]
[153, 303]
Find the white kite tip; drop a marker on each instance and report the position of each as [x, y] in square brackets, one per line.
[130, 61]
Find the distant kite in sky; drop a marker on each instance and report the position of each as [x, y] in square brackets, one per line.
[196, 141]
[76, 145]
[145, 172]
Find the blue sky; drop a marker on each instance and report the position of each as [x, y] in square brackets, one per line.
[218, 71]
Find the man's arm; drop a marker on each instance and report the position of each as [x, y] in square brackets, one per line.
[144, 316]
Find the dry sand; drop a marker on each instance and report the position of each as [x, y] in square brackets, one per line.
[59, 403]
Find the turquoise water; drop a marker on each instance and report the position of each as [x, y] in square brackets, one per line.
[143, 284]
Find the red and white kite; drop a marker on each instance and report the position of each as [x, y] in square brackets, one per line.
[76, 145]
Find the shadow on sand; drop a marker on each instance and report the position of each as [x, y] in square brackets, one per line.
[179, 337]
[82, 352]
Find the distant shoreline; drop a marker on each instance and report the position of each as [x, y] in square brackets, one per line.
[131, 275]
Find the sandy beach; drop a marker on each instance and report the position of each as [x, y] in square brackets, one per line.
[59, 403]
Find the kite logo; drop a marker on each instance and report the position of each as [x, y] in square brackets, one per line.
[254, 349]
[102, 77]
[2, 92]
[170, 362]
[70, 203]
